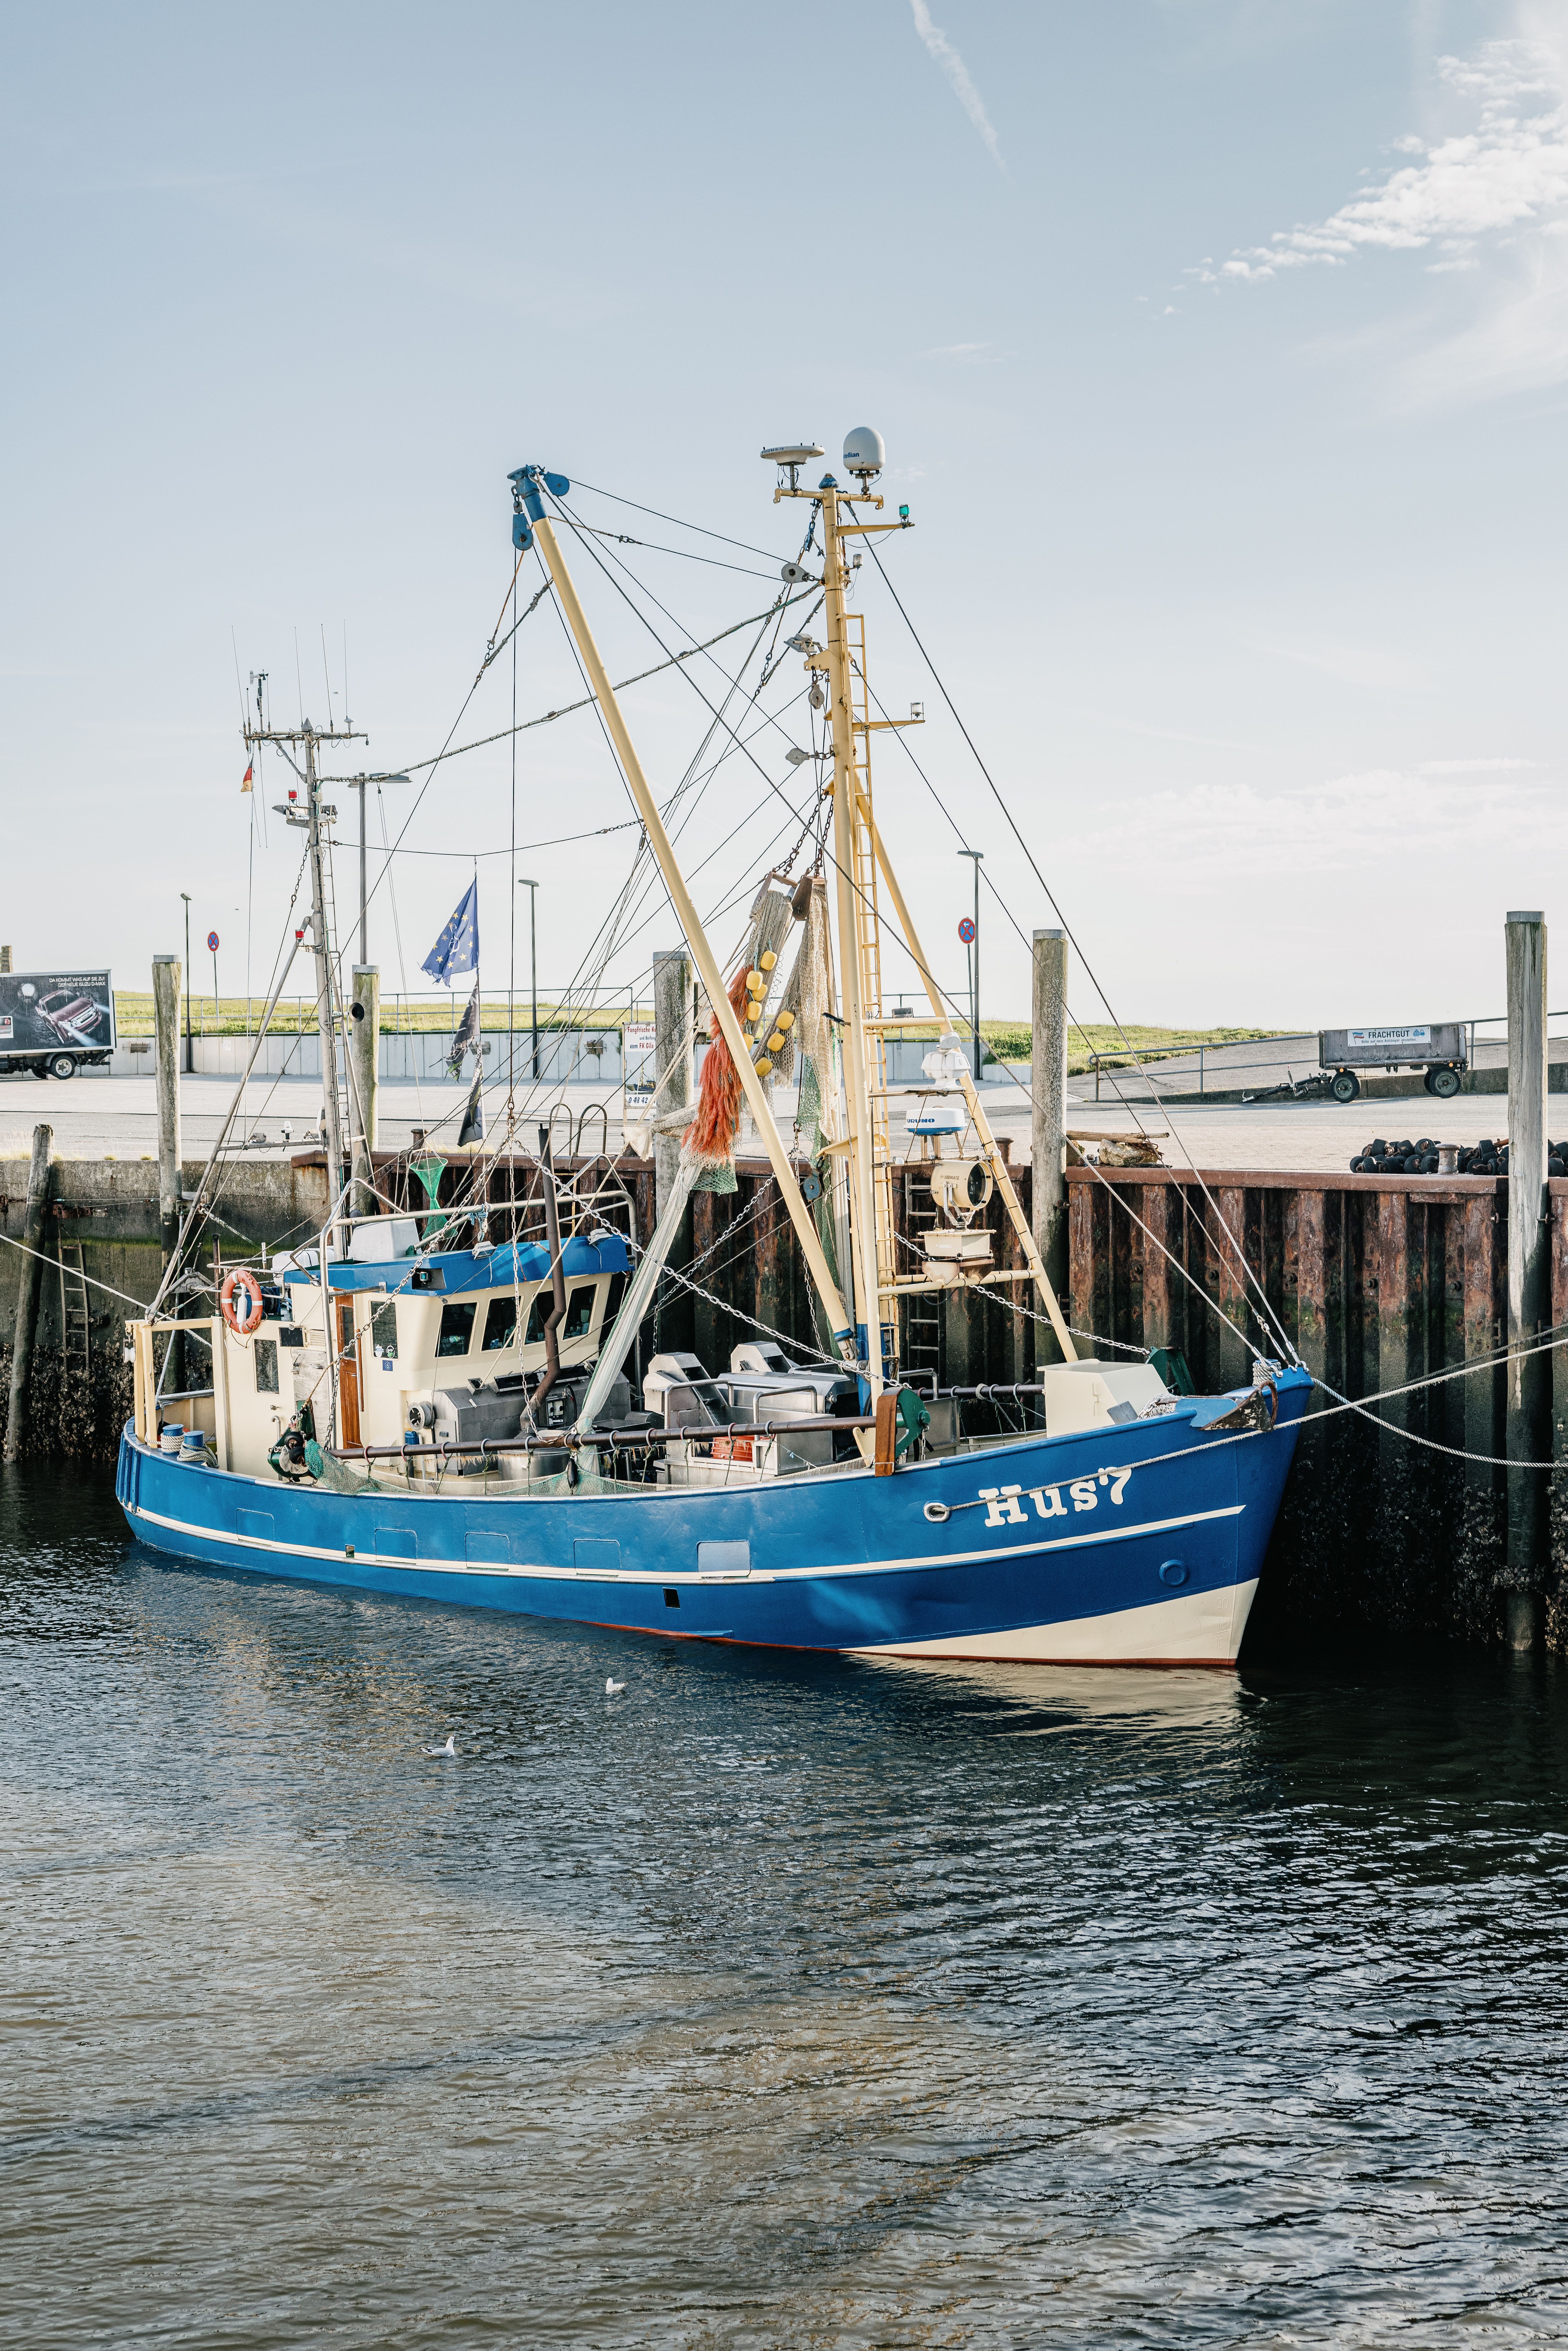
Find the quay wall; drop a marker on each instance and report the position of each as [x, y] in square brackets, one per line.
[1378, 1280]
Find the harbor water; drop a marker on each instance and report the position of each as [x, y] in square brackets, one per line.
[766, 2001]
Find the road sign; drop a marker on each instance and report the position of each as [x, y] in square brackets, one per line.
[966, 931]
[212, 942]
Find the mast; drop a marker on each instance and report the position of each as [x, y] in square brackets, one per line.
[861, 855]
[852, 913]
[320, 940]
[314, 814]
[856, 870]
[529, 481]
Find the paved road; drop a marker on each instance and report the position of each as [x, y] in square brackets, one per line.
[96, 1117]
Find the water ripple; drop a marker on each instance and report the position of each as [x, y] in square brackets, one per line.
[781, 2003]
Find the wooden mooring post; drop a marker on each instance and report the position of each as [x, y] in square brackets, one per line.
[1529, 1279]
[166, 1066]
[27, 1290]
[364, 1042]
[1048, 1121]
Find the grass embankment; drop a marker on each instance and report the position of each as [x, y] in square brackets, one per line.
[1008, 1040]
[228, 1016]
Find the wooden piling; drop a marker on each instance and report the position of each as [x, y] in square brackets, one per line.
[673, 1063]
[28, 1283]
[1529, 1276]
[166, 1069]
[1048, 1124]
[1229, 1227]
[672, 1054]
[364, 1049]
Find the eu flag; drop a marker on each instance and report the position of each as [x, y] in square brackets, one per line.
[457, 949]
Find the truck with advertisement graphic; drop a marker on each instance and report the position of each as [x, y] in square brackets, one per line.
[51, 1022]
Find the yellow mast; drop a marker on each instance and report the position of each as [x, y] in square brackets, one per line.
[858, 988]
[858, 856]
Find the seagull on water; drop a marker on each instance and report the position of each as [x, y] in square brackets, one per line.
[612, 1689]
[450, 1748]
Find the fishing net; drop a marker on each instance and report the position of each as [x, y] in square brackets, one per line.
[709, 1143]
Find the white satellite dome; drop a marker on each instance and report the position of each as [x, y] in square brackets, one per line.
[863, 452]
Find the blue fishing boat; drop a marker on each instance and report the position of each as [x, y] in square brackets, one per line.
[411, 1407]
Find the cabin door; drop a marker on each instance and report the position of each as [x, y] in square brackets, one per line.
[348, 1373]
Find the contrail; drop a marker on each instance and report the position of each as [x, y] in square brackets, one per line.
[957, 74]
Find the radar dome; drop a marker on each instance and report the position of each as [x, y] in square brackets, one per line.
[863, 452]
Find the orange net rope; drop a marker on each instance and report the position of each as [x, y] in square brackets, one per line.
[710, 1139]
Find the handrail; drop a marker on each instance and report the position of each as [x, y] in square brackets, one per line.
[634, 1440]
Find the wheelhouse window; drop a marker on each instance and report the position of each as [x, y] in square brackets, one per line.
[383, 1329]
[578, 1318]
[457, 1326]
[500, 1323]
[265, 1357]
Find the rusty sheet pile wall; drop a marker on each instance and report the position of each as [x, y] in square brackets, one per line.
[1378, 1282]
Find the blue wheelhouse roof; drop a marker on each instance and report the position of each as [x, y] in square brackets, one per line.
[508, 1268]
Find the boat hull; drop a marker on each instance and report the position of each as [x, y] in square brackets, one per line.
[1139, 1544]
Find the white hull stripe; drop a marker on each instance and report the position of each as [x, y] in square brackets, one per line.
[340, 1557]
[1198, 1628]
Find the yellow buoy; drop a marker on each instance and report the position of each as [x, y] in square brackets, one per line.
[763, 1066]
[776, 1043]
[756, 983]
[785, 1020]
[767, 959]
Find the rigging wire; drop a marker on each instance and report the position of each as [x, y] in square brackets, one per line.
[612, 933]
[547, 718]
[623, 539]
[700, 529]
[1268, 1316]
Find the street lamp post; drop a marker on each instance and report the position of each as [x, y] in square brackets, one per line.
[357, 783]
[533, 890]
[190, 1056]
[975, 965]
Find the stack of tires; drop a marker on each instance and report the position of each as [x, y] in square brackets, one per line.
[1420, 1158]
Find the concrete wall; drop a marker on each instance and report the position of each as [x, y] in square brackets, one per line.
[564, 1056]
[111, 1207]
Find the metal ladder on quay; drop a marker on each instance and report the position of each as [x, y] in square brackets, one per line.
[76, 1319]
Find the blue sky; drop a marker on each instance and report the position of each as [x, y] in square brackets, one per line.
[1219, 350]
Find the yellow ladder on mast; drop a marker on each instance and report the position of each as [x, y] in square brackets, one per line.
[868, 952]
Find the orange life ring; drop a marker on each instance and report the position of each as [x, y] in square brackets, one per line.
[241, 1321]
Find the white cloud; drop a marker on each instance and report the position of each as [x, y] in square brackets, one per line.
[957, 73]
[1506, 173]
[968, 354]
